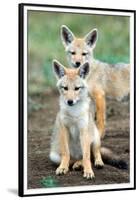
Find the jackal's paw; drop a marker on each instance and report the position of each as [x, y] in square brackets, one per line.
[89, 174]
[77, 165]
[102, 133]
[99, 164]
[61, 170]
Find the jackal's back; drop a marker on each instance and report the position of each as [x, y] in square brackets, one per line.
[113, 79]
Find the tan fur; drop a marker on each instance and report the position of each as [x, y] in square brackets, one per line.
[86, 144]
[105, 80]
[99, 97]
[75, 132]
[64, 149]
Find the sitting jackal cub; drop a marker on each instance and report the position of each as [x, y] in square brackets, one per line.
[75, 135]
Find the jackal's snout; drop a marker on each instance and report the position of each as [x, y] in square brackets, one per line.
[70, 102]
[77, 64]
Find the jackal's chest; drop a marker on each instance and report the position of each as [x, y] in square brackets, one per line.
[74, 142]
[76, 122]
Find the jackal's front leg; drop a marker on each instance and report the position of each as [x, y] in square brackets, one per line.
[86, 161]
[64, 148]
[99, 97]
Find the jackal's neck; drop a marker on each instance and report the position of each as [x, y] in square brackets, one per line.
[94, 63]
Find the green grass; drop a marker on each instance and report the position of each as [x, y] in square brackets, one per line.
[44, 43]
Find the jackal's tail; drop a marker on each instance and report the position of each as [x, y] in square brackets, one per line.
[111, 159]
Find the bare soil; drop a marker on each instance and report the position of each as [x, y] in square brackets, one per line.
[40, 125]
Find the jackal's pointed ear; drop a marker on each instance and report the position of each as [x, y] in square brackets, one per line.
[84, 70]
[66, 35]
[91, 38]
[58, 69]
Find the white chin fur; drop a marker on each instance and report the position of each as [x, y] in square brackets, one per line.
[55, 157]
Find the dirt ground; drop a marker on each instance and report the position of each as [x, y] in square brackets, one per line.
[40, 125]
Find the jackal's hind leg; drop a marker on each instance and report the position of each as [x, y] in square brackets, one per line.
[77, 165]
[95, 149]
[99, 97]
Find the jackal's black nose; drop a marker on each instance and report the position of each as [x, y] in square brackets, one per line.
[77, 64]
[70, 102]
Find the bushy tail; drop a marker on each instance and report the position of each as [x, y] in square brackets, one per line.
[111, 159]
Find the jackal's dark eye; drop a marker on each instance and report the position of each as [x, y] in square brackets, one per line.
[72, 52]
[84, 53]
[65, 88]
[77, 88]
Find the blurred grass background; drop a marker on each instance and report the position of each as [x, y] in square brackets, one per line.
[44, 42]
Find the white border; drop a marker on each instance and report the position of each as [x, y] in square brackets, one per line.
[93, 187]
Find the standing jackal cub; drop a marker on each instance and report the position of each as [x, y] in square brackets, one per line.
[104, 79]
[75, 134]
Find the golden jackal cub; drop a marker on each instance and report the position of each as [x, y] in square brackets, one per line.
[75, 131]
[104, 79]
